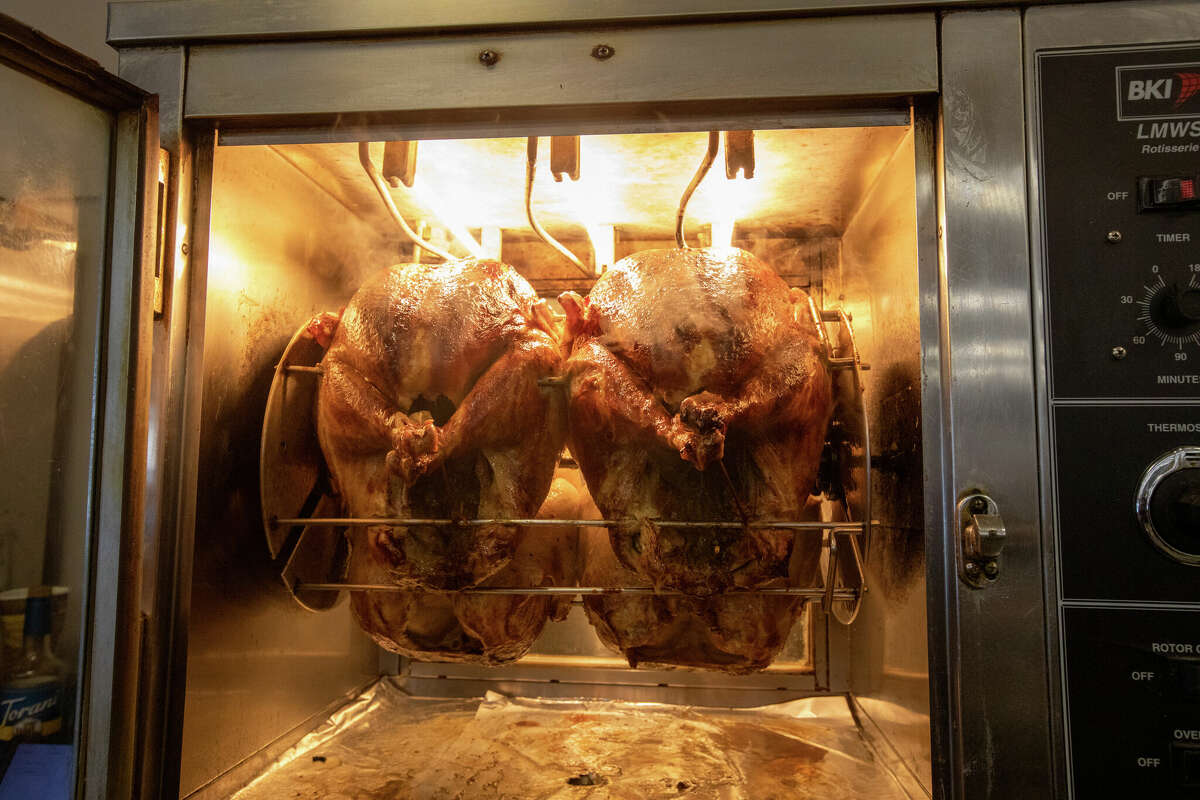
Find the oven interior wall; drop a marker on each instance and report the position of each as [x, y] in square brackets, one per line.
[889, 662]
[294, 229]
[282, 248]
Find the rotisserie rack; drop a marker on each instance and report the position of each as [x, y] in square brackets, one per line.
[305, 535]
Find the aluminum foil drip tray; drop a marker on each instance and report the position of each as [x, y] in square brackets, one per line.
[388, 744]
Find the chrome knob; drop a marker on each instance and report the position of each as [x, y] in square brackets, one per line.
[1168, 504]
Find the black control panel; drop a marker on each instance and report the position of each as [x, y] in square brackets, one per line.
[1105, 550]
[1121, 199]
[1119, 155]
[1133, 697]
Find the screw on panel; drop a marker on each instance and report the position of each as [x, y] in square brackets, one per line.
[972, 569]
[1113, 237]
[991, 569]
[488, 57]
[1118, 353]
[603, 52]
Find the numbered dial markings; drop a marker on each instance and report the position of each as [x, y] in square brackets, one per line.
[1169, 310]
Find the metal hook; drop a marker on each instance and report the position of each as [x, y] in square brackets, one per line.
[530, 169]
[714, 142]
[364, 158]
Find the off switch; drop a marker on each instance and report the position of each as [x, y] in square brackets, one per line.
[1186, 761]
[1165, 194]
[1185, 675]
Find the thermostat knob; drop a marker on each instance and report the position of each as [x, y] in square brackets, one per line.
[1168, 504]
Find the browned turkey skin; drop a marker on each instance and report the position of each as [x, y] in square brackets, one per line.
[697, 391]
[487, 629]
[734, 632]
[429, 407]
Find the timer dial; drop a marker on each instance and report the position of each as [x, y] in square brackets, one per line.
[1168, 504]
[1180, 306]
[1171, 312]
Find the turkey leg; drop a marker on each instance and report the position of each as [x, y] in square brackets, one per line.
[783, 383]
[605, 389]
[491, 415]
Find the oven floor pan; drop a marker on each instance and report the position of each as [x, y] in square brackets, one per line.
[389, 744]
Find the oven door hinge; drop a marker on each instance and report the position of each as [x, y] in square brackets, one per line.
[980, 541]
[160, 228]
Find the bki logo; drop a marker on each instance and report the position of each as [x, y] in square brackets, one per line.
[1188, 84]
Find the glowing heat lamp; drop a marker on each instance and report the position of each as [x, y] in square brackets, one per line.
[722, 232]
[604, 245]
[491, 240]
[445, 214]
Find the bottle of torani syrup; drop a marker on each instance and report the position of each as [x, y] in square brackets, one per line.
[31, 697]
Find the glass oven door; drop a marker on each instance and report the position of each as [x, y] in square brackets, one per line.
[76, 261]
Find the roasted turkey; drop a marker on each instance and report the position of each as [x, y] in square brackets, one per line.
[736, 632]
[430, 408]
[480, 628]
[697, 392]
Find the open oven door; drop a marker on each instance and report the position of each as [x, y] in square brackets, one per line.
[79, 177]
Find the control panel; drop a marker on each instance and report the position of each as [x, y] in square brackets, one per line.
[1121, 203]
[1119, 157]
[1133, 698]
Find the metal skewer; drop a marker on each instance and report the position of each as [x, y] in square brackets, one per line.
[402, 522]
[571, 591]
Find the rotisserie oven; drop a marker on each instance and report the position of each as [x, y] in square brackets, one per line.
[625, 400]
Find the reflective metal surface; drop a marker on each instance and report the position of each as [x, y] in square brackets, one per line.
[1168, 464]
[981, 540]
[880, 281]
[893, 55]
[169, 20]
[115, 654]
[1002, 725]
[252, 655]
[387, 744]
[835, 165]
[166, 572]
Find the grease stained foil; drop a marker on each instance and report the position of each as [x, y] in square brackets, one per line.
[389, 745]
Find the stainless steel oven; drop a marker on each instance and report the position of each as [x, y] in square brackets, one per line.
[993, 215]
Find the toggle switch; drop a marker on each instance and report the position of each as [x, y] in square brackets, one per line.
[1185, 679]
[1169, 193]
[1186, 763]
